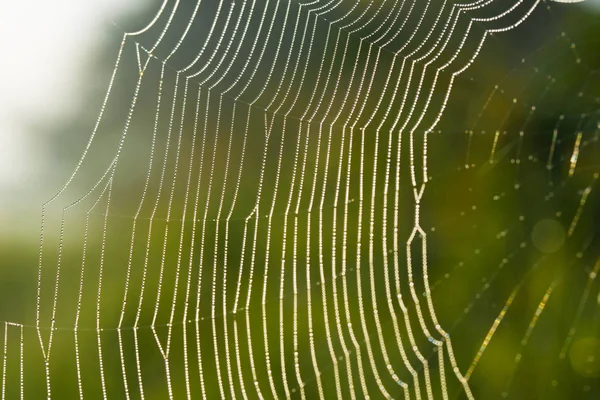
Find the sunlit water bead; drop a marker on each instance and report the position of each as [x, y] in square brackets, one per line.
[548, 235]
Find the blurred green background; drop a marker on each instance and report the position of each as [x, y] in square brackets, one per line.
[509, 215]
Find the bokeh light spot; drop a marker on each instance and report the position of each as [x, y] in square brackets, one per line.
[548, 235]
[585, 357]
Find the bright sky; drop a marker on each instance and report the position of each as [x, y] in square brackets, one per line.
[45, 46]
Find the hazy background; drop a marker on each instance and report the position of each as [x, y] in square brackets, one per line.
[56, 62]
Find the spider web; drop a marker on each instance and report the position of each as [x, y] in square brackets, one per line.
[309, 199]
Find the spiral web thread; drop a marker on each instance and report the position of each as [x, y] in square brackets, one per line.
[264, 254]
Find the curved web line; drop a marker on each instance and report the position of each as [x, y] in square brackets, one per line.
[324, 101]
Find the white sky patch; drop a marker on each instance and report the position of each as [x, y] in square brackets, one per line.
[44, 46]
